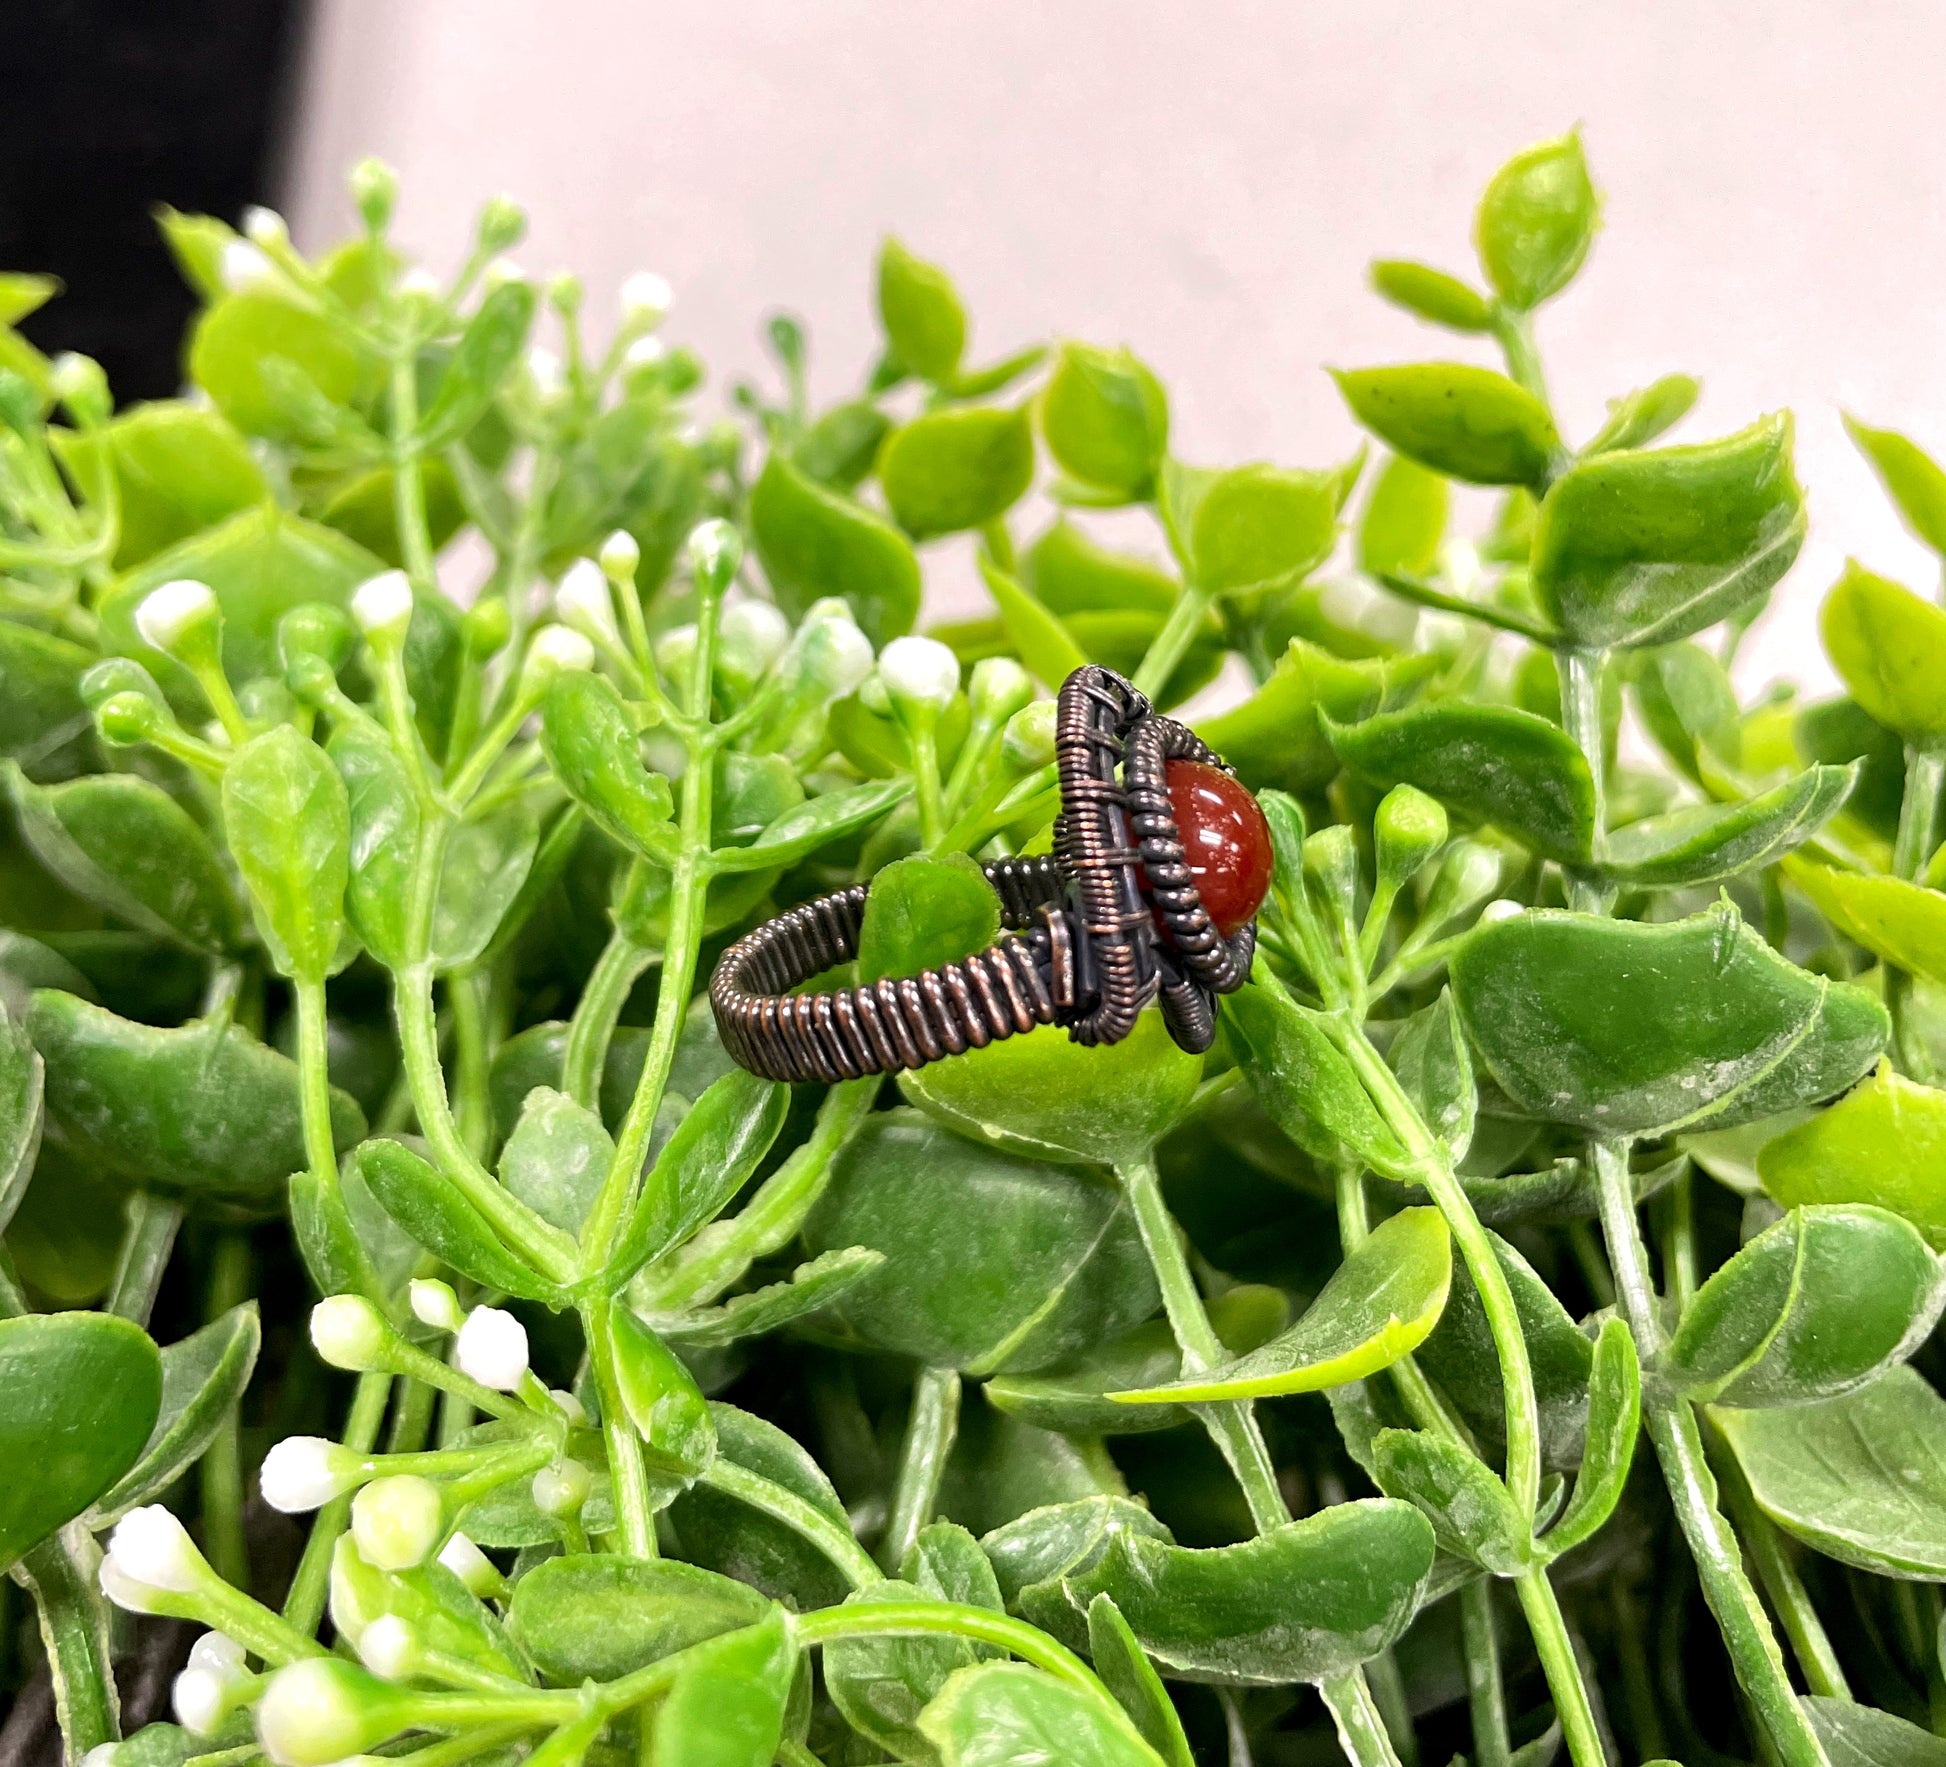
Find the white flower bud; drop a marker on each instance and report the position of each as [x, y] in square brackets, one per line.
[919, 672]
[620, 555]
[645, 298]
[500, 272]
[389, 1647]
[564, 291]
[1029, 741]
[502, 222]
[374, 188]
[396, 1521]
[435, 1304]
[571, 1407]
[348, 1332]
[127, 1593]
[837, 656]
[101, 1755]
[419, 284]
[472, 1566]
[583, 599]
[322, 1710]
[201, 1700]
[303, 1473]
[557, 648]
[562, 1489]
[492, 1349]
[381, 606]
[167, 613]
[645, 352]
[79, 383]
[545, 371]
[715, 549]
[242, 265]
[999, 687]
[150, 1546]
[265, 226]
[754, 636]
[220, 1652]
[675, 650]
[1502, 908]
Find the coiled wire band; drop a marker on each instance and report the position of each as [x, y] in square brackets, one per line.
[1083, 949]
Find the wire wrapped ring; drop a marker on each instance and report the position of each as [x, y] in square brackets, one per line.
[1083, 946]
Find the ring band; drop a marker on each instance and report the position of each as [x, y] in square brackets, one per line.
[1083, 947]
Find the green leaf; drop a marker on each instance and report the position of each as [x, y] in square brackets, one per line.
[1689, 707]
[1555, 1004]
[289, 827]
[1430, 1058]
[1038, 636]
[486, 862]
[1307, 1601]
[1070, 574]
[1274, 738]
[125, 845]
[1405, 520]
[42, 716]
[812, 1287]
[1105, 418]
[178, 469]
[1706, 843]
[1471, 1512]
[1468, 423]
[1861, 1479]
[701, 1167]
[1883, 1143]
[83, 1390]
[1536, 222]
[1306, 1084]
[925, 911]
[815, 543]
[383, 808]
[242, 337]
[991, 1262]
[1127, 1673]
[1041, 1094]
[1379, 1305]
[202, 1110]
[590, 742]
[1041, 1546]
[841, 447]
[557, 1158]
[1012, 1715]
[1432, 295]
[487, 348]
[1637, 418]
[1814, 1307]
[727, 1707]
[956, 468]
[22, 1112]
[1904, 923]
[430, 1208]
[1074, 1397]
[662, 1400]
[1614, 1421]
[1514, 769]
[882, 1685]
[22, 293]
[815, 823]
[430, 1599]
[921, 312]
[1644, 547]
[1890, 648]
[1912, 479]
[203, 1378]
[1254, 527]
[1862, 1736]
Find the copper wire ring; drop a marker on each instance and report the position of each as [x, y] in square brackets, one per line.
[1082, 946]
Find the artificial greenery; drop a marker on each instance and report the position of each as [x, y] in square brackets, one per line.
[398, 725]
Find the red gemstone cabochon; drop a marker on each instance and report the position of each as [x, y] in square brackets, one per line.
[1225, 841]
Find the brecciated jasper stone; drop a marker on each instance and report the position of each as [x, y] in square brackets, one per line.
[1225, 840]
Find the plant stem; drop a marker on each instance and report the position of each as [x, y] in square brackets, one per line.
[408, 487]
[1580, 672]
[627, 1470]
[929, 1435]
[923, 735]
[830, 1537]
[60, 1574]
[596, 1015]
[304, 1605]
[221, 1468]
[147, 1240]
[1172, 643]
[1514, 332]
[1563, 1669]
[1753, 1649]
[472, 1107]
[1486, 1696]
[1361, 1732]
[931, 1619]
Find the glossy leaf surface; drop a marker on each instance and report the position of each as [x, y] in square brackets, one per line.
[1882, 1143]
[1904, 923]
[1536, 221]
[1106, 420]
[1707, 843]
[289, 828]
[956, 468]
[1890, 648]
[1468, 423]
[814, 542]
[1469, 1508]
[1013, 1715]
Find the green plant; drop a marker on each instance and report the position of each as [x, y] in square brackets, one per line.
[1056, 1403]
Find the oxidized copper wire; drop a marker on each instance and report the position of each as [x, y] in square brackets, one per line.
[1083, 948]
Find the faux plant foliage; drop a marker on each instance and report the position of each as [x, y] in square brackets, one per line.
[357, 903]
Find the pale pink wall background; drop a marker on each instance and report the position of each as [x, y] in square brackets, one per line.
[1206, 182]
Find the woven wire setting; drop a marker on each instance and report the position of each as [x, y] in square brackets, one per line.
[1084, 944]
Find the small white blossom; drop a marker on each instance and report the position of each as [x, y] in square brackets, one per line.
[645, 352]
[837, 656]
[435, 1304]
[201, 1700]
[545, 371]
[919, 671]
[500, 272]
[645, 298]
[675, 650]
[557, 648]
[389, 1647]
[715, 549]
[1029, 741]
[150, 1546]
[243, 265]
[265, 226]
[1501, 909]
[101, 1755]
[754, 636]
[419, 284]
[999, 687]
[620, 554]
[396, 1521]
[382, 605]
[492, 1349]
[166, 613]
[303, 1473]
[322, 1710]
[348, 1332]
[584, 601]
[472, 1566]
[562, 1489]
